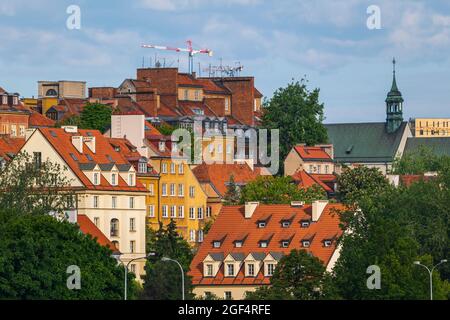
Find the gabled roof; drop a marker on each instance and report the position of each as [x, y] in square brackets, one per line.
[61, 141]
[88, 227]
[306, 180]
[10, 146]
[364, 142]
[219, 175]
[439, 146]
[232, 223]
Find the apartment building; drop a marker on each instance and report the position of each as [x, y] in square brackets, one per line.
[13, 117]
[245, 244]
[430, 127]
[314, 160]
[105, 184]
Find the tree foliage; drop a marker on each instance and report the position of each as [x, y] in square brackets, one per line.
[232, 196]
[392, 228]
[96, 116]
[298, 276]
[420, 161]
[163, 279]
[278, 190]
[297, 113]
[357, 183]
[30, 187]
[35, 252]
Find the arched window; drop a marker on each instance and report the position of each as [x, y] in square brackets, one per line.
[114, 228]
[51, 93]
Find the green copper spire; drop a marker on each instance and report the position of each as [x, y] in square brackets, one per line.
[394, 105]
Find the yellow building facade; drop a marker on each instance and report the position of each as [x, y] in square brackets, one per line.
[151, 183]
[431, 127]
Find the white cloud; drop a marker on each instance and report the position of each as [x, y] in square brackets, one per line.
[173, 5]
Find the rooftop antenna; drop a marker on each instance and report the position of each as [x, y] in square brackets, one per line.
[190, 50]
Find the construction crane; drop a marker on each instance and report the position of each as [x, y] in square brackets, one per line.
[191, 52]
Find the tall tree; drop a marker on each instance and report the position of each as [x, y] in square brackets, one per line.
[232, 195]
[298, 276]
[298, 114]
[36, 251]
[96, 116]
[278, 190]
[29, 186]
[163, 279]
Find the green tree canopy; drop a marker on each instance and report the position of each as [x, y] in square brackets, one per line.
[298, 276]
[232, 196]
[96, 116]
[393, 228]
[354, 184]
[297, 113]
[278, 190]
[35, 252]
[163, 279]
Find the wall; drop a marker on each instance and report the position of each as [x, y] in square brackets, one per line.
[237, 292]
[132, 127]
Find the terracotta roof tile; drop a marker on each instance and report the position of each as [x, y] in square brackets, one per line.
[312, 153]
[88, 227]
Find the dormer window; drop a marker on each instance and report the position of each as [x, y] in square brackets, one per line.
[306, 243]
[238, 244]
[142, 167]
[327, 243]
[162, 146]
[96, 178]
[131, 180]
[286, 224]
[263, 244]
[261, 224]
[217, 244]
[230, 270]
[305, 224]
[284, 244]
[114, 179]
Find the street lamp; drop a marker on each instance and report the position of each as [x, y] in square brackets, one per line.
[126, 271]
[430, 272]
[182, 273]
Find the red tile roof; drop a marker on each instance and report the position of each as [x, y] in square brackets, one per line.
[187, 108]
[306, 180]
[88, 227]
[312, 153]
[37, 120]
[219, 174]
[408, 180]
[10, 146]
[232, 224]
[62, 143]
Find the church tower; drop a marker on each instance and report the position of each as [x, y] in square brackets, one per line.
[394, 106]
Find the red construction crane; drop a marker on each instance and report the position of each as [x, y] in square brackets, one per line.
[191, 52]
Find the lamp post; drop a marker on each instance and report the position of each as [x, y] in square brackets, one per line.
[182, 273]
[430, 272]
[126, 272]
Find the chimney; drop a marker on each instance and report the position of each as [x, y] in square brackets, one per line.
[77, 142]
[90, 143]
[317, 209]
[70, 129]
[29, 132]
[250, 208]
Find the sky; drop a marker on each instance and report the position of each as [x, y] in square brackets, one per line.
[326, 42]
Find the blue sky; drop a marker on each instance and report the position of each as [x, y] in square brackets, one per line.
[326, 41]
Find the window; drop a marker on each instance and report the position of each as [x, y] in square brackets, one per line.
[164, 168]
[228, 295]
[96, 221]
[192, 213]
[37, 160]
[162, 148]
[192, 192]
[180, 169]
[164, 190]
[208, 212]
[227, 104]
[172, 189]
[263, 244]
[131, 181]
[51, 93]
[114, 228]
[209, 270]
[197, 95]
[305, 224]
[306, 243]
[219, 147]
[151, 211]
[238, 244]
[172, 168]
[230, 270]
[173, 211]
[142, 167]
[181, 212]
[186, 94]
[200, 213]
[200, 236]
[132, 224]
[133, 268]
[327, 169]
[151, 189]
[95, 201]
[285, 244]
[217, 244]
[311, 168]
[286, 224]
[228, 148]
[251, 270]
[96, 178]
[114, 179]
[21, 131]
[114, 202]
[181, 190]
[192, 236]
[164, 211]
[132, 246]
[261, 224]
[131, 202]
[327, 243]
[270, 269]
